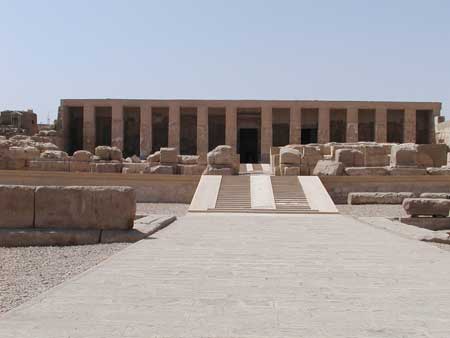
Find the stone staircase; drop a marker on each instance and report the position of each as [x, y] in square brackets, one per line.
[234, 194]
[262, 194]
[288, 195]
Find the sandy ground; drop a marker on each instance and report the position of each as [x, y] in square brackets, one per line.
[27, 272]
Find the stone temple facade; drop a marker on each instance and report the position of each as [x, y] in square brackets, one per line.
[142, 127]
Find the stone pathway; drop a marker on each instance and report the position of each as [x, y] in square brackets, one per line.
[252, 276]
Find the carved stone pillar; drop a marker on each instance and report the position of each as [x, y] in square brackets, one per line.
[89, 127]
[352, 124]
[266, 133]
[381, 125]
[174, 126]
[324, 125]
[145, 132]
[117, 125]
[231, 127]
[295, 128]
[409, 126]
[202, 130]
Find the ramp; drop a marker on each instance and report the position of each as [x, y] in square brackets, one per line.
[262, 194]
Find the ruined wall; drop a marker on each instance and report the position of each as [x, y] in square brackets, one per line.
[442, 131]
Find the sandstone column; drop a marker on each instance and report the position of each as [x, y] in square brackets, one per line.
[117, 125]
[202, 131]
[324, 125]
[174, 126]
[145, 132]
[231, 127]
[409, 126]
[89, 127]
[352, 124]
[266, 133]
[381, 125]
[295, 128]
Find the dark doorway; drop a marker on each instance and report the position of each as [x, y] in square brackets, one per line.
[131, 131]
[103, 123]
[248, 145]
[424, 120]
[75, 129]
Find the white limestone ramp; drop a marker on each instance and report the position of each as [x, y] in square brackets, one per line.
[262, 194]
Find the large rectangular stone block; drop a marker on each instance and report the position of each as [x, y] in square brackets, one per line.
[65, 207]
[16, 206]
[115, 207]
[78, 207]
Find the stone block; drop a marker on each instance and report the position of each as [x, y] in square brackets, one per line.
[431, 223]
[65, 207]
[54, 155]
[103, 152]
[16, 206]
[188, 159]
[442, 195]
[366, 171]
[405, 171]
[221, 155]
[328, 168]
[223, 171]
[134, 168]
[115, 154]
[47, 237]
[404, 155]
[79, 166]
[106, 167]
[168, 156]
[76, 207]
[378, 197]
[375, 156]
[291, 171]
[140, 231]
[350, 157]
[163, 169]
[426, 207]
[438, 171]
[190, 169]
[436, 152]
[290, 155]
[155, 157]
[15, 164]
[82, 155]
[49, 165]
[115, 207]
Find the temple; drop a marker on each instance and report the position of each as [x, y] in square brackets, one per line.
[141, 127]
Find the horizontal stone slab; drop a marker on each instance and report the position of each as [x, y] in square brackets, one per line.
[378, 197]
[431, 223]
[16, 237]
[143, 228]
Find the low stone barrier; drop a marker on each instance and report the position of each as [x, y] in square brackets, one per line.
[378, 197]
[69, 215]
[429, 213]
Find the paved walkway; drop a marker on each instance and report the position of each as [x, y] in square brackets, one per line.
[252, 276]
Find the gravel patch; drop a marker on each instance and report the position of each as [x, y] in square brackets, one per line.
[27, 272]
[372, 210]
[176, 209]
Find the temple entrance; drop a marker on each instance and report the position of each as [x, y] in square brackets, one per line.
[248, 145]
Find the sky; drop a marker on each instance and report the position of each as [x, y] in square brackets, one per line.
[231, 49]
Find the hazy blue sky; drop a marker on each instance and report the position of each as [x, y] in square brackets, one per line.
[345, 50]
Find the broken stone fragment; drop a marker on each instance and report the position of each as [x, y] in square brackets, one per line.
[328, 168]
[426, 207]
